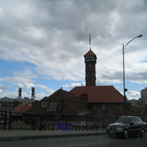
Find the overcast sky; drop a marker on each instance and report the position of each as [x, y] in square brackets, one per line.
[42, 43]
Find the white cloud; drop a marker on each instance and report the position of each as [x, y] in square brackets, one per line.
[72, 85]
[1, 90]
[25, 81]
[9, 94]
[2, 87]
[26, 92]
[41, 95]
[133, 94]
[47, 90]
[1, 10]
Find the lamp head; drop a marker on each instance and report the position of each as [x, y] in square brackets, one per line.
[140, 35]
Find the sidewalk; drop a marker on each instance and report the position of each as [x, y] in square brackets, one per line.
[29, 134]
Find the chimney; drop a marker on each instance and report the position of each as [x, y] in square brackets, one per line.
[19, 93]
[33, 93]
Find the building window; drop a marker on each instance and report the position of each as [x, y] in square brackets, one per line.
[44, 104]
[52, 106]
[118, 107]
[94, 107]
[61, 105]
[78, 105]
[104, 107]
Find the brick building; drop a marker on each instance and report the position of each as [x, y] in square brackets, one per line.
[90, 103]
[8, 104]
[61, 105]
[144, 98]
[104, 102]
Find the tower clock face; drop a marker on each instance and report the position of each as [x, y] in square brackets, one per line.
[89, 58]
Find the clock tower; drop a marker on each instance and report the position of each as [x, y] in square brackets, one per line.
[90, 61]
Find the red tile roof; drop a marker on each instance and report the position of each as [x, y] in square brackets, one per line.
[71, 109]
[37, 108]
[61, 95]
[99, 94]
[20, 109]
[90, 53]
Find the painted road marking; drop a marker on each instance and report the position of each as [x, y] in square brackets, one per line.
[84, 144]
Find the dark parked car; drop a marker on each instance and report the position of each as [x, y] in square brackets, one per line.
[126, 126]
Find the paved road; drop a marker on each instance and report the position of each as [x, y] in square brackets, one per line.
[80, 141]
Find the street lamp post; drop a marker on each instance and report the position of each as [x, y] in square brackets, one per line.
[124, 89]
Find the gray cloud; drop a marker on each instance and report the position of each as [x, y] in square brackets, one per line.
[53, 36]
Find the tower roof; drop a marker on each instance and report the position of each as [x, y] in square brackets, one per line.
[90, 53]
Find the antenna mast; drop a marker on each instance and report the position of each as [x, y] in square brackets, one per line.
[90, 41]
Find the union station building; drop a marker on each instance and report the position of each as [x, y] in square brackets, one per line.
[86, 103]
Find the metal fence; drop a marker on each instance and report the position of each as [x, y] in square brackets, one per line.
[27, 121]
[24, 121]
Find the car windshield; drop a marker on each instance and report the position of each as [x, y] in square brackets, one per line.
[126, 120]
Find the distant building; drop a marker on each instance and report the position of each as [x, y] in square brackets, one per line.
[136, 103]
[8, 104]
[144, 96]
[137, 107]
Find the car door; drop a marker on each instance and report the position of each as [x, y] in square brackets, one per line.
[139, 125]
[133, 126]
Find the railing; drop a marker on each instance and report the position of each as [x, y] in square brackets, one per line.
[5, 120]
[27, 121]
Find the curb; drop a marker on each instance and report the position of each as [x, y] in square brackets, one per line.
[47, 136]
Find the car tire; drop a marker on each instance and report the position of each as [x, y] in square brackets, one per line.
[110, 135]
[142, 133]
[126, 135]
